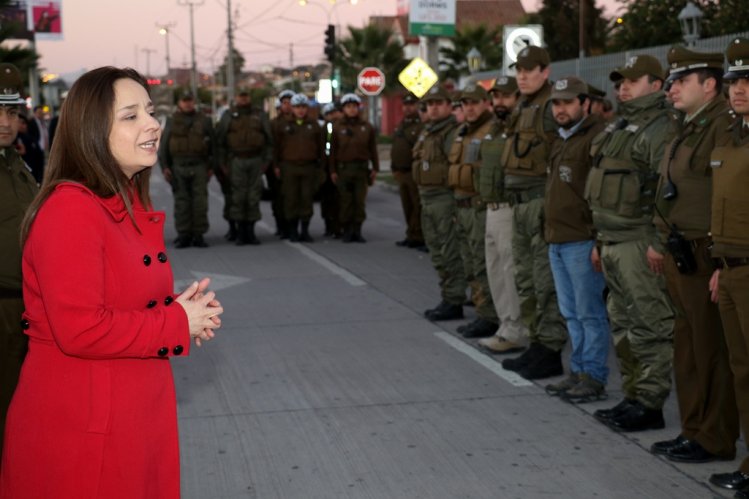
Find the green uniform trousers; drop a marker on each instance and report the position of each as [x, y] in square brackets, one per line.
[245, 176]
[223, 182]
[13, 345]
[409, 194]
[533, 278]
[733, 301]
[353, 181]
[642, 322]
[471, 231]
[438, 223]
[190, 185]
[702, 374]
[298, 185]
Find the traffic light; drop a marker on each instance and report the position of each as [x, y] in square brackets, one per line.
[330, 42]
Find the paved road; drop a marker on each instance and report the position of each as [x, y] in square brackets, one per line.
[327, 382]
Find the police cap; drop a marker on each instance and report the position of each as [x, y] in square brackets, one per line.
[473, 91]
[505, 85]
[410, 98]
[530, 57]
[286, 94]
[569, 88]
[637, 67]
[682, 61]
[349, 98]
[299, 100]
[595, 92]
[11, 85]
[437, 92]
[737, 54]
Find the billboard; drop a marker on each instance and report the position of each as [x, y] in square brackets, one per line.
[14, 16]
[45, 19]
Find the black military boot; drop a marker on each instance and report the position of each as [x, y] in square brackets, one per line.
[348, 235]
[357, 237]
[251, 238]
[292, 229]
[547, 363]
[232, 234]
[199, 242]
[480, 328]
[305, 237]
[281, 229]
[242, 233]
[524, 359]
[636, 417]
[444, 312]
[182, 241]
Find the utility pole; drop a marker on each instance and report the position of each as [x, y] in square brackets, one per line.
[148, 53]
[230, 58]
[291, 55]
[164, 31]
[194, 71]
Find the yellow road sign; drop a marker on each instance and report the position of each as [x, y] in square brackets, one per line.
[418, 77]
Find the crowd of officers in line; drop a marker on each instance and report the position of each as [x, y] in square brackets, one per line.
[565, 220]
[568, 222]
[294, 156]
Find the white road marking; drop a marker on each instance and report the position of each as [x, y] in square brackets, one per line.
[218, 281]
[324, 262]
[491, 364]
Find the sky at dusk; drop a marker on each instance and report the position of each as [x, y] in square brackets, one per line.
[125, 33]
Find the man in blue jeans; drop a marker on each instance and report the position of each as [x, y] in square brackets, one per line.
[568, 229]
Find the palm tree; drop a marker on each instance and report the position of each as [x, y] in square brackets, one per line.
[488, 41]
[369, 46]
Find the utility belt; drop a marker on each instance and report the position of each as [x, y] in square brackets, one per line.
[496, 206]
[525, 196]
[11, 293]
[727, 262]
[353, 164]
[190, 160]
[246, 154]
[310, 162]
[472, 202]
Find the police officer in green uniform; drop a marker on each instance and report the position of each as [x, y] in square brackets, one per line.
[462, 177]
[704, 385]
[438, 210]
[17, 190]
[353, 148]
[401, 159]
[299, 158]
[186, 158]
[245, 142]
[329, 198]
[498, 237]
[526, 159]
[621, 191]
[729, 227]
[284, 116]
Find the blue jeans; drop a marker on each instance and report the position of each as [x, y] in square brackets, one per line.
[580, 295]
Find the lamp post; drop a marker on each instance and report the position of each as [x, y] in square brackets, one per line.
[191, 4]
[164, 31]
[474, 60]
[690, 19]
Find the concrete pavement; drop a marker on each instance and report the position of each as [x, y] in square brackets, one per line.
[325, 381]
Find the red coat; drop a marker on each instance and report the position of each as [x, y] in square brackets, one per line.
[94, 414]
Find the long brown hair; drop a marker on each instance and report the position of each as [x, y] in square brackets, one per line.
[81, 153]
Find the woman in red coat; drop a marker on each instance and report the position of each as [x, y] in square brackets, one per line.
[94, 414]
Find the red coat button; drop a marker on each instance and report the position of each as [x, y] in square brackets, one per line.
[146, 260]
[162, 257]
[151, 304]
[163, 351]
[178, 350]
[25, 324]
[168, 300]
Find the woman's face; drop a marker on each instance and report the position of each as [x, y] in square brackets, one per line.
[134, 138]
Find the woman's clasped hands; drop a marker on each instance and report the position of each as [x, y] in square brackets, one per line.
[202, 309]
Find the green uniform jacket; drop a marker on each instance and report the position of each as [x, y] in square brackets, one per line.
[17, 190]
[431, 152]
[730, 214]
[531, 131]
[566, 212]
[244, 130]
[687, 163]
[354, 140]
[404, 138]
[491, 184]
[626, 158]
[186, 135]
[464, 155]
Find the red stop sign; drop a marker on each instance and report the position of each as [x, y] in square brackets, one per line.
[371, 81]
